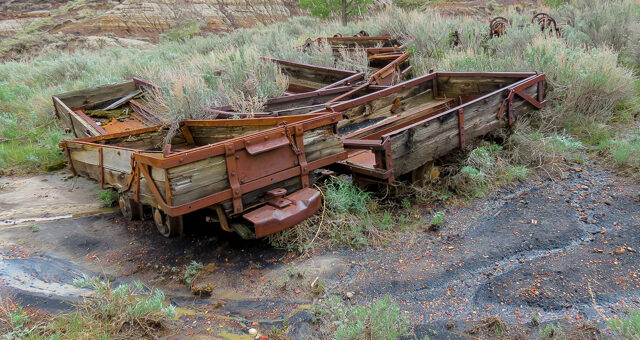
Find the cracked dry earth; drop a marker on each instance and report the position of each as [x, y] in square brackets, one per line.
[564, 250]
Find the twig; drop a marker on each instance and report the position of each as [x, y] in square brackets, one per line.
[324, 208]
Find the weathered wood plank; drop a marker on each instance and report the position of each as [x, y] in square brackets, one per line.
[435, 138]
[95, 96]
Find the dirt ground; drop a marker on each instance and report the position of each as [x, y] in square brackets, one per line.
[562, 250]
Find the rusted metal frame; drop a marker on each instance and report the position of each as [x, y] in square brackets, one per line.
[222, 217]
[266, 121]
[232, 175]
[132, 175]
[311, 67]
[302, 158]
[136, 186]
[228, 109]
[383, 72]
[66, 150]
[450, 111]
[152, 185]
[434, 87]
[522, 75]
[90, 121]
[244, 188]
[346, 95]
[343, 81]
[353, 168]
[101, 168]
[389, 90]
[188, 136]
[218, 149]
[382, 152]
[517, 88]
[463, 142]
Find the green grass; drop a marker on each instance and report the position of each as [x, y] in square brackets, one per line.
[107, 197]
[628, 326]
[124, 311]
[381, 319]
[587, 69]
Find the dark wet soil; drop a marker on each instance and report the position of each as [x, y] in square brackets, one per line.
[562, 250]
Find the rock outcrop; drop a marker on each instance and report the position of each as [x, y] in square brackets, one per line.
[138, 19]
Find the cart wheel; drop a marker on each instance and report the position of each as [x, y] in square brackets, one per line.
[130, 209]
[167, 226]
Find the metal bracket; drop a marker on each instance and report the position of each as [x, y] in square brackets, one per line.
[232, 174]
[463, 142]
[302, 158]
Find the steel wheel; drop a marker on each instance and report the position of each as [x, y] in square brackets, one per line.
[130, 209]
[167, 226]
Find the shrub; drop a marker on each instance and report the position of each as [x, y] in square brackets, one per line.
[350, 217]
[628, 326]
[383, 319]
[108, 197]
[345, 197]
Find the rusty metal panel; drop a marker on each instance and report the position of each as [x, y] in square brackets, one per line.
[269, 219]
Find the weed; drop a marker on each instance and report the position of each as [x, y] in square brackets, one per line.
[351, 217]
[436, 220]
[551, 331]
[628, 326]
[108, 197]
[382, 319]
[191, 272]
[34, 228]
[344, 197]
[318, 288]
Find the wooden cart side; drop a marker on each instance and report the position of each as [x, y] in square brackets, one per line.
[80, 124]
[302, 103]
[384, 103]
[96, 96]
[456, 84]
[257, 161]
[419, 143]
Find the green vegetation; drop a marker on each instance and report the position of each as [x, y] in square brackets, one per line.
[350, 217]
[191, 272]
[331, 9]
[126, 311]
[437, 219]
[108, 197]
[551, 331]
[382, 319]
[627, 327]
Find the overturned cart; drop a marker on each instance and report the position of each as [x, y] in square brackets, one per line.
[260, 169]
[403, 128]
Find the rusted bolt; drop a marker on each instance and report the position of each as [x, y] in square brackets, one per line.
[266, 137]
[237, 157]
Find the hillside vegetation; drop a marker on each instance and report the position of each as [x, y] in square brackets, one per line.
[592, 87]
